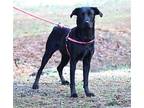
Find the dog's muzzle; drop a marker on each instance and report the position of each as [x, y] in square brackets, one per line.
[87, 24]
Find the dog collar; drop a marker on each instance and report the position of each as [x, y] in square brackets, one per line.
[79, 42]
[76, 41]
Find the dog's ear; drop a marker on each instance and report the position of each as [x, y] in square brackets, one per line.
[75, 12]
[96, 11]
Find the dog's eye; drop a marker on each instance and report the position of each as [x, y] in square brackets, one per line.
[83, 14]
[89, 13]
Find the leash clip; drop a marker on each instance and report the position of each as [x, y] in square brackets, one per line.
[60, 25]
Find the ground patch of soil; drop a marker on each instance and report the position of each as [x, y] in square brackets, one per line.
[112, 49]
[112, 90]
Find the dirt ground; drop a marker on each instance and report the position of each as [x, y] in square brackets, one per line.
[112, 90]
[112, 50]
[109, 78]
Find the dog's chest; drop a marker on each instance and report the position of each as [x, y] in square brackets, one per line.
[86, 51]
[83, 51]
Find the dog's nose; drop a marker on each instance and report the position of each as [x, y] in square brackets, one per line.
[86, 21]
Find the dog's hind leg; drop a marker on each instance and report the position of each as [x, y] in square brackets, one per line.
[48, 53]
[64, 62]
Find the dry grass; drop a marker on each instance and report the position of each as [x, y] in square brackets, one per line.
[112, 89]
[111, 85]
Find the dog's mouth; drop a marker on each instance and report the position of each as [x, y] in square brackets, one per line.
[86, 25]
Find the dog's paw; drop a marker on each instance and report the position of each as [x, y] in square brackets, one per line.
[90, 94]
[74, 95]
[35, 86]
[65, 82]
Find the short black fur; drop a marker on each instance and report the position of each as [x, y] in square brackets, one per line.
[84, 31]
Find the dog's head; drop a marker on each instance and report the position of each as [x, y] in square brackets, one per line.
[86, 16]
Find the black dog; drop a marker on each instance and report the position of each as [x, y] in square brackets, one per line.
[74, 45]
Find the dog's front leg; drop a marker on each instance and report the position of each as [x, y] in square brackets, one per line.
[86, 68]
[72, 78]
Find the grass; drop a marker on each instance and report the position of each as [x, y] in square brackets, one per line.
[80, 87]
[117, 67]
[108, 84]
[112, 90]
[26, 26]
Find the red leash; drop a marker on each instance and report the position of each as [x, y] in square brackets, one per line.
[57, 24]
[38, 17]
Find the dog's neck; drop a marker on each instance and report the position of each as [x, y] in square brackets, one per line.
[85, 34]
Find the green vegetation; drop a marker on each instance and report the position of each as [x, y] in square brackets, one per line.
[113, 10]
